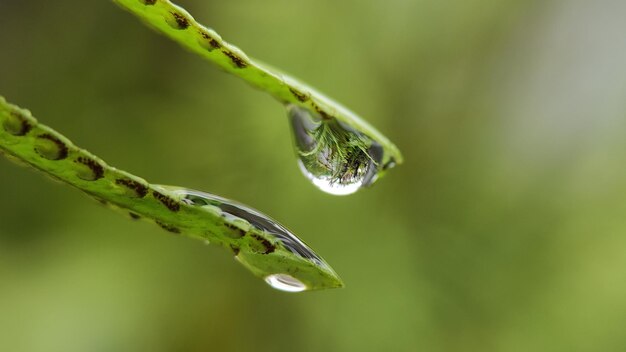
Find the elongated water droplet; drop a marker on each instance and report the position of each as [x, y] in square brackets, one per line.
[285, 282]
[315, 273]
[233, 211]
[336, 158]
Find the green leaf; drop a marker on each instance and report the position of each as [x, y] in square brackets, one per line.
[179, 25]
[266, 248]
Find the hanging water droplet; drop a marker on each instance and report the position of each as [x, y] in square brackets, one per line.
[285, 282]
[336, 158]
[313, 272]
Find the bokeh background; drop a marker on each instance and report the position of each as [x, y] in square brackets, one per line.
[505, 230]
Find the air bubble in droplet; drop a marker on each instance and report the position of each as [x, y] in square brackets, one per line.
[334, 157]
[285, 282]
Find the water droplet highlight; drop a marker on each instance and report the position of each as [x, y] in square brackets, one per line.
[285, 283]
[282, 252]
[233, 212]
[334, 157]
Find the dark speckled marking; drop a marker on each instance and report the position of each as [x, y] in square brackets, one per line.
[208, 42]
[140, 189]
[235, 249]
[299, 95]
[62, 151]
[321, 112]
[181, 20]
[134, 216]
[97, 169]
[17, 124]
[269, 247]
[237, 232]
[214, 43]
[169, 203]
[148, 2]
[237, 61]
[169, 228]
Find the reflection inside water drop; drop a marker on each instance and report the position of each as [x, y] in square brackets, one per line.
[308, 270]
[232, 211]
[285, 282]
[336, 158]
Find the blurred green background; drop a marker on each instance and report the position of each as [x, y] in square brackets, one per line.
[503, 231]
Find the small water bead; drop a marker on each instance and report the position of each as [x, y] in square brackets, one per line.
[285, 282]
[336, 158]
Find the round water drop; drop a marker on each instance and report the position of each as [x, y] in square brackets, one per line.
[285, 282]
[334, 157]
[326, 183]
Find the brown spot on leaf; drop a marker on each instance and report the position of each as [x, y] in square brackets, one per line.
[214, 43]
[269, 247]
[169, 228]
[299, 95]
[236, 232]
[321, 112]
[58, 152]
[140, 189]
[181, 21]
[207, 41]
[169, 203]
[17, 124]
[97, 169]
[237, 61]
